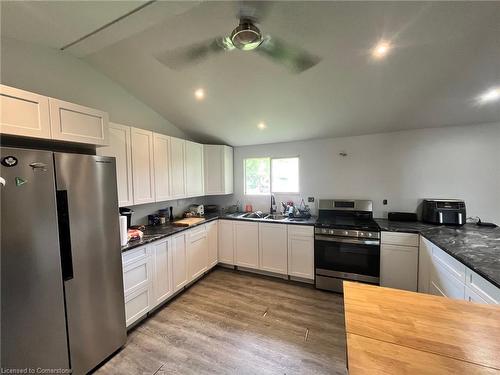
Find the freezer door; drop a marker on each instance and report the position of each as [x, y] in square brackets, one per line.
[89, 236]
[33, 319]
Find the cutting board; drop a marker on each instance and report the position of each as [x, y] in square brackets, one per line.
[187, 222]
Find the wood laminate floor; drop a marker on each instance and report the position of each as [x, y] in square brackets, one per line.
[238, 323]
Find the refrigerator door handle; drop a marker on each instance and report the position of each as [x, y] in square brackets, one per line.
[64, 234]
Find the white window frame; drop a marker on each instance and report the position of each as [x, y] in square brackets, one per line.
[298, 175]
[270, 176]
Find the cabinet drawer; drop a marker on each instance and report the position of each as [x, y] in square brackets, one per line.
[136, 275]
[472, 296]
[486, 290]
[197, 233]
[403, 239]
[453, 266]
[443, 283]
[300, 230]
[137, 305]
[134, 255]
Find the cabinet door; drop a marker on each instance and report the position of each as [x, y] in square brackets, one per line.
[481, 287]
[212, 231]
[121, 149]
[162, 270]
[24, 113]
[177, 170]
[161, 146]
[142, 166]
[228, 170]
[226, 242]
[76, 123]
[247, 244]
[424, 265]
[300, 255]
[443, 283]
[399, 267]
[194, 169]
[472, 296]
[213, 157]
[137, 305]
[273, 248]
[179, 261]
[197, 252]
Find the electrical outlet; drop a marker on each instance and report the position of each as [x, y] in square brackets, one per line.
[310, 199]
[384, 202]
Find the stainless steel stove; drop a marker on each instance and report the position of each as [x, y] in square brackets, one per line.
[346, 244]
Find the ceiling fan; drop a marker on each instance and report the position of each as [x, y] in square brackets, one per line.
[245, 37]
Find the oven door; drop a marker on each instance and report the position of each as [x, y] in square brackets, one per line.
[347, 258]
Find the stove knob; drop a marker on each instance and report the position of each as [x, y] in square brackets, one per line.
[361, 234]
[369, 234]
[346, 233]
[330, 231]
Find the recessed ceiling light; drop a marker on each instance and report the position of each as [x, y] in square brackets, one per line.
[261, 125]
[199, 94]
[381, 49]
[489, 96]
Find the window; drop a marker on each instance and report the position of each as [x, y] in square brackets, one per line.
[285, 175]
[266, 175]
[257, 172]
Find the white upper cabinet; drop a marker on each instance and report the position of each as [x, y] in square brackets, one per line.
[273, 248]
[218, 160]
[24, 113]
[120, 148]
[177, 170]
[161, 146]
[76, 123]
[194, 169]
[143, 166]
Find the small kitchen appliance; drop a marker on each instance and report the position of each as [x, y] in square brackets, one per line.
[197, 209]
[444, 211]
[346, 244]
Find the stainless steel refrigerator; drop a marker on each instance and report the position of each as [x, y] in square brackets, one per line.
[61, 281]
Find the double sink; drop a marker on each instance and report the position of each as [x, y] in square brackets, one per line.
[264, 216]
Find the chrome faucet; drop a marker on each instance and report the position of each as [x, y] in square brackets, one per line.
[273, 205]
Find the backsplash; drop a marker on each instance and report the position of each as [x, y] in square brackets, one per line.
[142, 211]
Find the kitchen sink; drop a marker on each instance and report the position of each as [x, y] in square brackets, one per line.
[275, 217]
[253, 215]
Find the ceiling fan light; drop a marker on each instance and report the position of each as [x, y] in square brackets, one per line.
[246, 36]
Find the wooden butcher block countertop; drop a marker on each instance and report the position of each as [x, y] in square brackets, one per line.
[391, 331]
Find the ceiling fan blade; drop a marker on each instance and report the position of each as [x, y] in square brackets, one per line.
[184, 56]
[254, 11]
[294, 58]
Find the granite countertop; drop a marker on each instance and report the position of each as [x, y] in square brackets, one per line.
[157, 232]
[235, 216]
[476, 247]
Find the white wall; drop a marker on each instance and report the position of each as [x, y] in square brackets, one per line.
[402, 167]
[58, 74]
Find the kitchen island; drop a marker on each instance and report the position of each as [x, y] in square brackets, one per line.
[391, 331]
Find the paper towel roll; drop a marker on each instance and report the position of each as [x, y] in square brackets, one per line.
[123, 230]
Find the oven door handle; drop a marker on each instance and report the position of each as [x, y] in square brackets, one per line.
[347, 240]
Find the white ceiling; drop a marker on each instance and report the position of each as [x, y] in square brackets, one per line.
[446, 54]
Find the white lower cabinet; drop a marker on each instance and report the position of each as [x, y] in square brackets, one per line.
[197, 251]
[472, 296]
[226, 242]
[399, 267]
[137, 283]
[301, 251]
[213, 243]
[179, 261]
[273, 248]
[424, 264]
[246, 243]
[443, 283]
[162, 270]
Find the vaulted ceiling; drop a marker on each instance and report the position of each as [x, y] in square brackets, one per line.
[445, 54]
